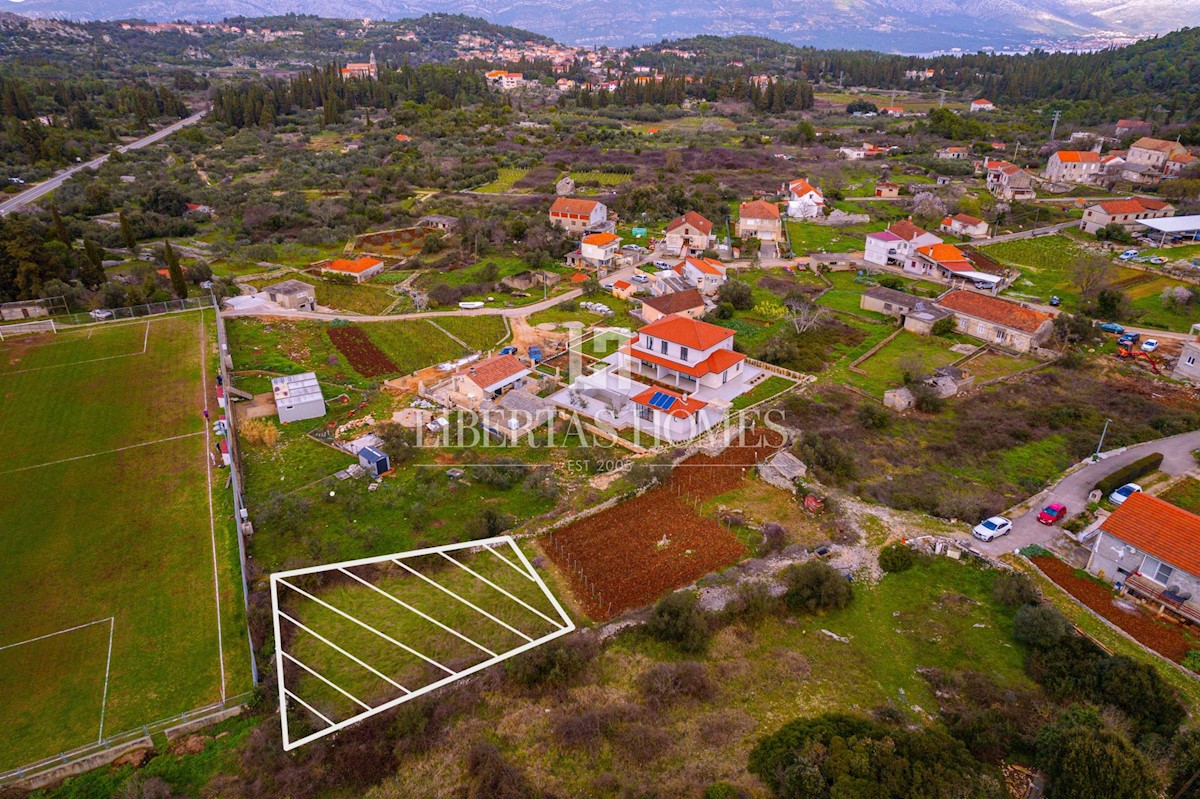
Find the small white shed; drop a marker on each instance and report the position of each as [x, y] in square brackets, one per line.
[298, 397]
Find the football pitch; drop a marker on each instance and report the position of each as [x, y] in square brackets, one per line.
[120, 597]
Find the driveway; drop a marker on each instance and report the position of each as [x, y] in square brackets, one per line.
[1073, 489]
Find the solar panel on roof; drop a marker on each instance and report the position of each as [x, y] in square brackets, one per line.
[662, 401]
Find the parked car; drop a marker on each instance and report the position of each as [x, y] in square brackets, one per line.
[1150, 345]
[1123, 493]
[1129, 339]
[100, 314]
[640, 278]
[1056, 301]
[535, 354]
[991, 528]
[1128, 255]
[1052, 513]
[509, 351]
[470, 306]
[1112, 327]
[662, 264]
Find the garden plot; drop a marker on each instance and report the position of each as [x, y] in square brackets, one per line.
[906, 354]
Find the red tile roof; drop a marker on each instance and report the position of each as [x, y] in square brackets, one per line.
[600, 239]
[676, 302]
[570, 205]
[707, 266]
[994, 310]
[962, 219]
[621, 285]
[1159, 528]
[800, 187]
[497, 369]
[687, 332]
[758, 209]
[680, 409]
[694, 219]
[355, 267]
[1135, 205]
[1078, 156]
[578, 277]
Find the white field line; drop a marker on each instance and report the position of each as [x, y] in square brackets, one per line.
[411, 609]
[145, 342]
[283, 692]
[568, 625]
[212, 524]
[99, 454]
[332, 645]
[369, 628]
[57, 632]
[519, 570]
[311, 709]
[466, 602]
[513, 597]
[329, 682]
[112, 625]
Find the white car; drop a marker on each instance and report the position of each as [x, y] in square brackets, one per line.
[991, 528]
[1128, 255]
[1123, 493]
[640, 278]
[101, 314]
[1150, 345]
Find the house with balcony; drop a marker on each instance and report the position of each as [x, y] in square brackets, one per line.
[898, 245]
[688, 232]
[687, 355]
[759, 219]
[597, 251]
[1152, 548]
[706, 274]
[1008, 181]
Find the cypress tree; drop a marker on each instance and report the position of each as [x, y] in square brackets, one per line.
[127, 233]
[92, 271]
[175, 271]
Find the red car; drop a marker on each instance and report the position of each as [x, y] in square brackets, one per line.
[1052, 513]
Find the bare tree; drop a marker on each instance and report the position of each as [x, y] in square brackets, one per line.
[928, 205]
[1091, 274]
[804, 314]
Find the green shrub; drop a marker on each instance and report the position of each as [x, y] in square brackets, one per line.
[943, 327]
[552, 665]
[723, 790]
[678, 620]
[1127, 474]
[1192, 660]
[1040, 626]
[816, 586]
[896, 558]
[1014, 589]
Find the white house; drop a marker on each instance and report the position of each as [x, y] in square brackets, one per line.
[898, 245]
[669, 414]
[965, 225]
[298, 397]
[576, 215]
[803, 199]
[487, 380]
[953, 153]
[690, 231]
[982, 105]
[706, 274]
[599, 249]
[1126, 213]
[1073, 166]
[691, 355]
[759, 219]
[867, 150]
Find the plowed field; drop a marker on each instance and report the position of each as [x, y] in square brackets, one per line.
[628, 556]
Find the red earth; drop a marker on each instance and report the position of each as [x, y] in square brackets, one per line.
[364, 357]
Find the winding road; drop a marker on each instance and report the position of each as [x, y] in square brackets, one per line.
[19, 201]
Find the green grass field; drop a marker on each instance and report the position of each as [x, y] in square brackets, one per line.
[504, 181]
[885, 368]
[363, 298]
[107, 524]
[479, 332]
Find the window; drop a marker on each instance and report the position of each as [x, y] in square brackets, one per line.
[1191, 361]
[649, 343]
[724, 377]
[1157, 571]
[683, 353]
[664, 348]
[644, 412]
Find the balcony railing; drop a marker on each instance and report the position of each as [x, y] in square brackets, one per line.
[1147, 588]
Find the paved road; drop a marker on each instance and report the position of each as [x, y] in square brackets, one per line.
[18, 201]
[1073, 489]
[1028, 234]
[524, 310]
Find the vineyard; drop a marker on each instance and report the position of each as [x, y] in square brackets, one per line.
[628, 556]
[364, 357]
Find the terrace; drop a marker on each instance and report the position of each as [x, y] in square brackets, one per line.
[1178, 604]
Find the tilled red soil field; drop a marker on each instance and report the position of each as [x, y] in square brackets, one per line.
[628, 556]
[1163, 637]
[364, 357]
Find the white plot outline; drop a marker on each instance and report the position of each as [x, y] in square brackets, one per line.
[563, 626]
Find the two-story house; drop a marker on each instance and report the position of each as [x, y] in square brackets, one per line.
[1073, 166]
[1152, 548]
[578, 216]
[1126, 213]
[1009, 182]
[897, 246]
[688, 232]
[1153, 153]
[687, 303]
[598, 250]
[706, 274]
[759, 219]
[691, 355]
[804, 201]
[965, 225]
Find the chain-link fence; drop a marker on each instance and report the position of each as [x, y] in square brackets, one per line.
[119, 314]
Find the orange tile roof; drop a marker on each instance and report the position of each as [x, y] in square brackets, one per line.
[995, 310]
[942, 252]
[497, 369]
[1134, 205]
[800, 187]
[1078, 156]
[403, 137]
[621, 285]
[962, 219]
[981, 101]
[1159, 528]
[600, 239]
[687, 332]
[758, 209]
[691, 218]
[680, 409]
[355, 267]
[578, 277]
[570, 205]
[706, 266]
[721, 360]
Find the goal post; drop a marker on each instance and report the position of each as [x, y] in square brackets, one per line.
[26, 328]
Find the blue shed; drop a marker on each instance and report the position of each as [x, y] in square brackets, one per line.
[374, 461]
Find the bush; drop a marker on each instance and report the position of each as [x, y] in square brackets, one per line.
[896, 558]
[664, 684]
[678, 620]
[723, 790]
[1040, 626]
[943, 327]
[1139, 691]
[1015, 589]
[1081, 759]
[1192, 660]
[1127, 474]
[553, 665]
[873, 417]
[816, 586]
[493, 777]
[774, 538]
[752, 603]
[259, 433]
[737, 293]
[925, 399]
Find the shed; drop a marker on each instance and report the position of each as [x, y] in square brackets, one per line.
[298, 397]
[294, 294]
[375, 461]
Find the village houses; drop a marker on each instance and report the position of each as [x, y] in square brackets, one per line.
[360, 269]
[368, 70]
[965, 225]
[686, 303]
[804, 201]
[1073, 166]
[759, 219]
[706, 274]
[688, 232]
[897, 246]
[996, 321]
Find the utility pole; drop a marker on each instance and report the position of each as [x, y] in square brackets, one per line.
[941, 98]
[1099, 446]
[1054, 127]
